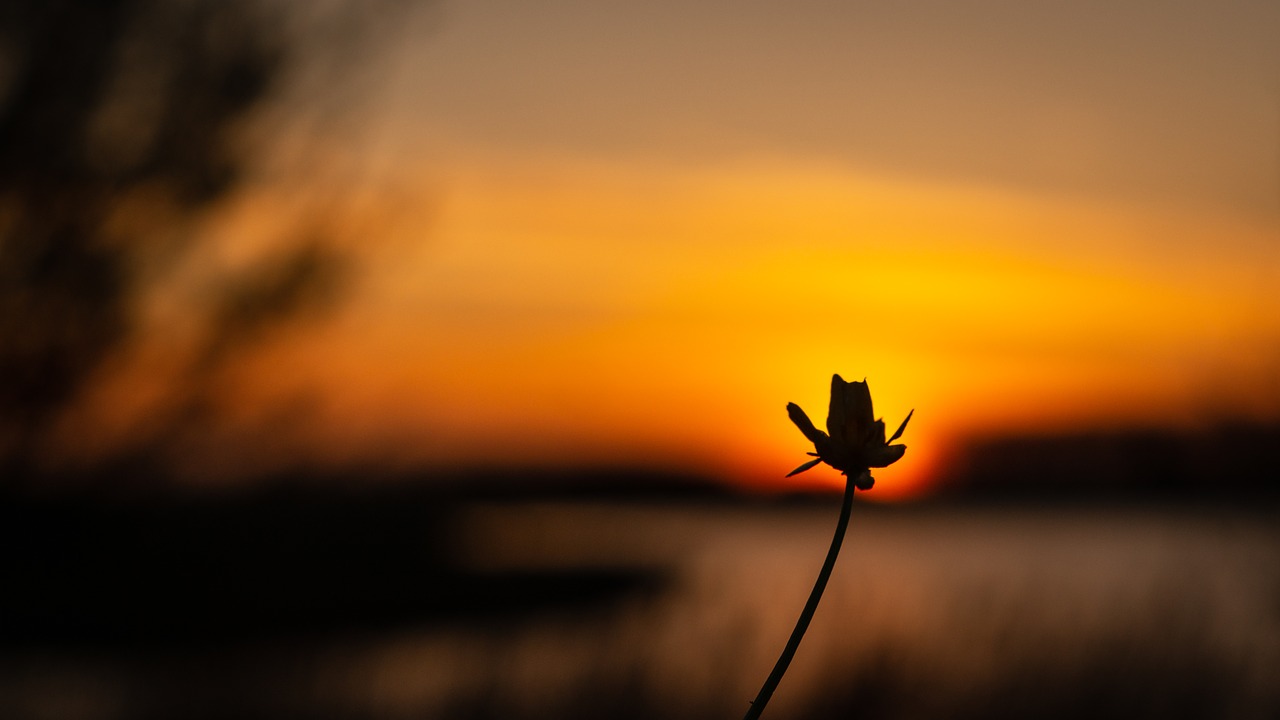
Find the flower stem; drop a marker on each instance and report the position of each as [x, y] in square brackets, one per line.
[780, 668]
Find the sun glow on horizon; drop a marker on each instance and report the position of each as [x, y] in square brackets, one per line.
[589, 236]
[662, 317]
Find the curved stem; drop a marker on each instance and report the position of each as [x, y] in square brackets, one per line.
[771, 683]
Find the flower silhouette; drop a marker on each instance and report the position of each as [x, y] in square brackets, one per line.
[854, 442]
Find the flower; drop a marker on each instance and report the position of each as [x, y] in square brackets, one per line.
[856, 441]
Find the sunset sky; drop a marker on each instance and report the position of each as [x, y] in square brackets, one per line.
[603, 233]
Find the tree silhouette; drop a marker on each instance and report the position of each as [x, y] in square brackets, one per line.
[102, 101]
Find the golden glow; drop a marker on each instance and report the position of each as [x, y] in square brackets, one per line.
[576, 315]
[628, 234]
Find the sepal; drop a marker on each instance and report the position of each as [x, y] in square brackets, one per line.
[804, 467]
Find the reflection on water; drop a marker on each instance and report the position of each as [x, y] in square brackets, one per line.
[930, 614]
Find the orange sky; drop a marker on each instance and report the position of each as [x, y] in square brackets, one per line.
[631, 234]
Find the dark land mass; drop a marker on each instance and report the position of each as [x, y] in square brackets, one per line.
[280, 563]
[303, 556]
[230, 604]
[1230, 464]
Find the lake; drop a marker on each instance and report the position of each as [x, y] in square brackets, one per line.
[678, 610]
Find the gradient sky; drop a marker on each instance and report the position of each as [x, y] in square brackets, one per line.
[630, 233]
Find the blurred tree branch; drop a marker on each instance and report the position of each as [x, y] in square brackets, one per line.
[106, 100]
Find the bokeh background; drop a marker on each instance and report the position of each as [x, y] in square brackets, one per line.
[429, 359]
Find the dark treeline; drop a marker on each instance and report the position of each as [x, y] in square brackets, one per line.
[1224, 464]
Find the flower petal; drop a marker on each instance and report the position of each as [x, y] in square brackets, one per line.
[804, 467]
[836, 410]
[802, 421]
[860, 419]
[903, 426]
[885, 455]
